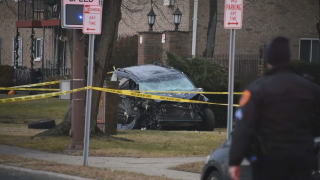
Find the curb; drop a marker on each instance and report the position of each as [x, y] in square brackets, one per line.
[35, 174]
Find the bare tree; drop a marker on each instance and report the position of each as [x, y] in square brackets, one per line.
[212, 26]
[104, 45]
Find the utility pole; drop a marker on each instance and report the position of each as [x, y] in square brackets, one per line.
[77, 121]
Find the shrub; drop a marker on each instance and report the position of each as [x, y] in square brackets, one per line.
[204, 73]
[6, 76]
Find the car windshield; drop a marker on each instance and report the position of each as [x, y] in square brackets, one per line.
[176, 82]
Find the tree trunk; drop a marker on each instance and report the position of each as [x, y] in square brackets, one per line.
[64, 127]
[211, 34]
[104, 45]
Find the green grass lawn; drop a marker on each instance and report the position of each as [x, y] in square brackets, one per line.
[28, 111]
[126, 143]
[134, 143]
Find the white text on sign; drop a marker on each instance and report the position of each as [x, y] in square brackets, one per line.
[233, 14]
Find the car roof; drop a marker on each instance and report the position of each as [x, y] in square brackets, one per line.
[147, 71]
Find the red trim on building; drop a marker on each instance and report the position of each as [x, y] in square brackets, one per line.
[52, 22]
[28, 24]
[38, 24]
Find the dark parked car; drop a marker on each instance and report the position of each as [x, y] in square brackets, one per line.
[216, 165]
[139, 113]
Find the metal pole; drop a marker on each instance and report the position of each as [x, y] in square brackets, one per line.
[88, 100]
[231, 81]
[194, 35]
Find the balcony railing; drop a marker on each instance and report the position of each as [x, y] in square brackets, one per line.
[37, 10]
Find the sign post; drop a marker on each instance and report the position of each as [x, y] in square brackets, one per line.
[92, 19]
[233, 14]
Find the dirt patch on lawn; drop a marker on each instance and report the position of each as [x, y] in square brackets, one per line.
[195, 167]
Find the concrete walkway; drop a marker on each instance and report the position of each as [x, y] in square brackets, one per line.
[149, 166]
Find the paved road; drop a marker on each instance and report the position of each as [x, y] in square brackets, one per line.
[17, 173]
[5, 175]
[149, 166]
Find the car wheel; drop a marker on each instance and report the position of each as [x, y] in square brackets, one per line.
[214, 176]
[125, 120]
[208, 120]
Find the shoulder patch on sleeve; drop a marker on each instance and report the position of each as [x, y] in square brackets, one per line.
[245, 98]
[239, 114]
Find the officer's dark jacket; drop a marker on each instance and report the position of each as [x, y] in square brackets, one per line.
[280, 111]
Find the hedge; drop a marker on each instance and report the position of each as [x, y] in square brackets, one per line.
[213, 77]
[6, 76]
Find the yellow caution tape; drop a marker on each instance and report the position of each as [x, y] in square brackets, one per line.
[28, 89]
[186, 92]
[39, 84]
[115, 91]
[111, 71]
[40, 96]
[156, 97]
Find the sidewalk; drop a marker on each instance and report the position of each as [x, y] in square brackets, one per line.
[149, 166]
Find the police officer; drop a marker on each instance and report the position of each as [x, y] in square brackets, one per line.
[277, 113]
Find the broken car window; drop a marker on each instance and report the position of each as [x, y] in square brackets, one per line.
[176, 82]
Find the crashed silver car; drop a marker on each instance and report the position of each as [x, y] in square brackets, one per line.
[140, 113]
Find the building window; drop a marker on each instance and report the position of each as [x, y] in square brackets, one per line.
[38, 49]
[309, 50]
[20, 52]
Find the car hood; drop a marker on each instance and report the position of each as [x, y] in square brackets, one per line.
[179, 95]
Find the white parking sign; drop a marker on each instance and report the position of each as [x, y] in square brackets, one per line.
[92, 19]
[233, 13]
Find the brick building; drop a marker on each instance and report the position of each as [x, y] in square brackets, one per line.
[262, 20]
[50, 52]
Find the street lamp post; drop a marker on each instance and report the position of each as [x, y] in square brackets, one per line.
[151, 19]
[177, 15]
